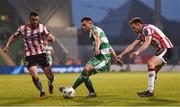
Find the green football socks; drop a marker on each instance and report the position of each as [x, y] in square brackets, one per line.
[78, 82]
[84, 78]
[89, 85]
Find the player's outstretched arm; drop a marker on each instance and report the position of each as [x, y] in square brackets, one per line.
[10, 40]
[129, 48]
[115, 57]
[144, 46]
[113, 52]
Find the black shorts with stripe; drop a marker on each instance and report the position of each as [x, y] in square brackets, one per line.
[165, 54]
[34, 60]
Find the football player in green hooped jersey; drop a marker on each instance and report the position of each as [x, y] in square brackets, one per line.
[102, 59]
[49, 52]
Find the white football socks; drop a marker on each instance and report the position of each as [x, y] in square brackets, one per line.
[152, 75]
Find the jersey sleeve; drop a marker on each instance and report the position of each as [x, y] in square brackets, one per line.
[141, 38]
[147, 32]
[18, 32]
[95, 31]
[46, 31]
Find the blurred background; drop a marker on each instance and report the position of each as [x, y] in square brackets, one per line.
[62, 18]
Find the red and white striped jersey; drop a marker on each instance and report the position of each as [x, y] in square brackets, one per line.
[33, 38]
[159, 39]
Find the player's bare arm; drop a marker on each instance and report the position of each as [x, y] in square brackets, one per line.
[129, 48]
[113, 52]
[51, 38]
[144, 46]
[115, 56]
[10, 40]
[97, 42]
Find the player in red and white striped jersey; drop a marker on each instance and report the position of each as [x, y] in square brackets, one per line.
[149, 35]
[34, 35]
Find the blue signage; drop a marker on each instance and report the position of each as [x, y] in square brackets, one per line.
[55, 69]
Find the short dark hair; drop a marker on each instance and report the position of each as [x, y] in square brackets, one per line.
[135, 20]
[87, 18]
[34, 14]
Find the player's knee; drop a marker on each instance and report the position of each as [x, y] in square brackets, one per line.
[150, 65]
[88, 68]
[84, 73]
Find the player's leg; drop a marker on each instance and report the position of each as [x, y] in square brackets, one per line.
[164, 55]
[32, 67]
[95, 65]
[36, 80]
[42, 61]
[84, 77]
[86, 72]
[87, 81]
[158, 68]
[152, 63]
[79, 80]
[50, 76]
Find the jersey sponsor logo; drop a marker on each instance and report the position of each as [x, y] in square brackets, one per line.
[146, 33]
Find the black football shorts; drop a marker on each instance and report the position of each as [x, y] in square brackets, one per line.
[34, 60]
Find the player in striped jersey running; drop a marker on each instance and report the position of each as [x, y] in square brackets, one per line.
[34, 35]
[102, 59]
[149, 34]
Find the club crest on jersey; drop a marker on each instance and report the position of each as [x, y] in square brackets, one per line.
[146, 33]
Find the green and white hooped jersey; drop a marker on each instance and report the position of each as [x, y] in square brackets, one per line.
[104, 46]
[48, 50]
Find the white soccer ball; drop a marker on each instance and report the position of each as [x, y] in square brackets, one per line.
[68, 92]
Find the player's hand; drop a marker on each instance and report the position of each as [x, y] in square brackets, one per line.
[134, 55]
[120, 62]
[5, 50]
[51, 38]
[119, 56]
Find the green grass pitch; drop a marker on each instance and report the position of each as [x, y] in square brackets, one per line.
[113, 89]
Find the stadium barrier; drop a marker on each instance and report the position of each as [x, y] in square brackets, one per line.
[78, 68]
[142, 68]
[55, 69]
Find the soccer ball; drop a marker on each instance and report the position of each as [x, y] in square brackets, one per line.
[68, 92]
